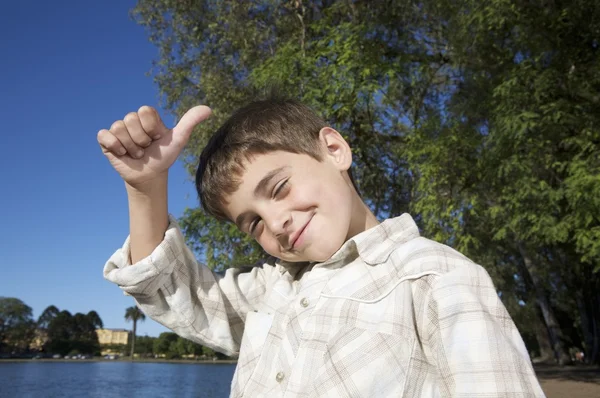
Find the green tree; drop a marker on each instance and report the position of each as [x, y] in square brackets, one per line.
[165, 344]
[95, 319]
[61, 332]
[68, 334]
[46, 317]
[85, 338]
[16, 325]
[144, 345]
[183, 347]
[305, 50]
[504, 173]
[208, 352]
[479, 117]
[134, 314]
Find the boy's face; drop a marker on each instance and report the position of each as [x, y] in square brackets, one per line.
[297, 208]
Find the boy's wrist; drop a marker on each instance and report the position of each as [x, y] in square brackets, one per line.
[148, 216]
[148, 189]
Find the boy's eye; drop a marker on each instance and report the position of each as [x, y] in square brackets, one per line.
[280, 188]
[254, 225]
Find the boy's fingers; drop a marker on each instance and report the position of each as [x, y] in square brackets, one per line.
[189, 120]
[119, 130]
[136, 131]
[110, 143]
[151, 122]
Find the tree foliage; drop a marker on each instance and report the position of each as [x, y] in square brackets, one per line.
[47, 316]
[68, 334]
[16, 325]
[172, 346]
[481, 118]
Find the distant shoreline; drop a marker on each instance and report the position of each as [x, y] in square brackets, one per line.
[144, 360]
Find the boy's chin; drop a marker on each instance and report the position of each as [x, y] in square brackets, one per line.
[311, 256]
[315, 252]
[322, 254]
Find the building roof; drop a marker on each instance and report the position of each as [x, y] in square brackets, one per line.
[116, 330]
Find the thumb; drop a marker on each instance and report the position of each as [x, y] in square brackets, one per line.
[188, 121]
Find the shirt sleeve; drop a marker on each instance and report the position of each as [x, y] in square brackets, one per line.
[171, 287]
[473, 341]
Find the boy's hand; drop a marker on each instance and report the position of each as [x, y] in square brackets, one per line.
[141, 148]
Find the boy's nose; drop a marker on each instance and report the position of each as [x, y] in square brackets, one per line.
[279, 223]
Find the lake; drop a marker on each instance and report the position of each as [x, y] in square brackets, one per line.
[114, 379]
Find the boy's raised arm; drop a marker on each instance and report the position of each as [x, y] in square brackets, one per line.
[142, 149]
[148, 217]
[155, 266]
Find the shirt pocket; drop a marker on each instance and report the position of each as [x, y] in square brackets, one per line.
[363, 363]
[256, 330]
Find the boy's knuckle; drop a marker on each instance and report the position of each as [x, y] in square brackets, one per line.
[129, 144]
[101, 134]
[148, 118]
[147, 114]
[117, 126]
[130, 118]
[143, 141]
[145, 110]
[105, 138]
[112, 145]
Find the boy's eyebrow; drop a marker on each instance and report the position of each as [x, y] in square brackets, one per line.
[264, 183]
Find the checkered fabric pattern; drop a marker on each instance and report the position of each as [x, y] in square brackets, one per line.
[390, 314]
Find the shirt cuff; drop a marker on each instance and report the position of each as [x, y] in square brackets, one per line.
[145, 276]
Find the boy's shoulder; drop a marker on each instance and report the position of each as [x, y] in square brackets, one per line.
[395, 252]
[423, 255]
[397, 242]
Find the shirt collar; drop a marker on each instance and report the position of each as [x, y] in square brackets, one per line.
[375, 245]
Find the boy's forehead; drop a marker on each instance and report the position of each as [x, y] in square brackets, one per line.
[258, 172]
[257, 165]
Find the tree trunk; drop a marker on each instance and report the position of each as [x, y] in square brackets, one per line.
[133, 338]
[587, 328]
[595, 321]
[543, 338]
[556, 335]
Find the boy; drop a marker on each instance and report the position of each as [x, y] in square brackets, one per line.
[346, 307]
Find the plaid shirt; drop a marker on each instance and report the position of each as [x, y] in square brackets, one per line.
[390, 314]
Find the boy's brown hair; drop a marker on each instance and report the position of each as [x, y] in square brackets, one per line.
[260, 127]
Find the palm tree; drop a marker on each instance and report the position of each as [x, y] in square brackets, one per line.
[134, 314]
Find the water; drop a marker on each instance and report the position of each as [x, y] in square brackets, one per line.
[114, 379]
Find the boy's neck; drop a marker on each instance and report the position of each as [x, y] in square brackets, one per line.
[362, 219]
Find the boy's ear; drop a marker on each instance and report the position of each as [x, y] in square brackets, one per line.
[337, 149]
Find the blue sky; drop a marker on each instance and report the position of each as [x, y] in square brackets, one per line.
[69, 68]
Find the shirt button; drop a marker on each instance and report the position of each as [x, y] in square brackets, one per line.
[304, 302]
[280, 376]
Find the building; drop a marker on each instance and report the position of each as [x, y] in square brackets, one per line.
[112, 336]
[39, 339]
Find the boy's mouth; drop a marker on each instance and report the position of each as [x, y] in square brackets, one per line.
[298, 238]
